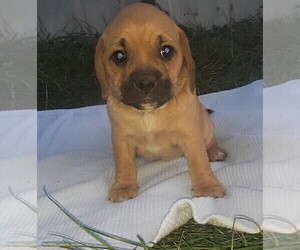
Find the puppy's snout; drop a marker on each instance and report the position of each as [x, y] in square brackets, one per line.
[146, 89]
[144, 80]
[146, 84]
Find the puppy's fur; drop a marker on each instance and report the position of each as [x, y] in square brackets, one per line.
[146, 72]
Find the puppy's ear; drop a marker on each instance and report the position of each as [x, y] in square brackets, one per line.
[100, 69]
[187, 60]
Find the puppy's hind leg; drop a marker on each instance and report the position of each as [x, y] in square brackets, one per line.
[216, 153]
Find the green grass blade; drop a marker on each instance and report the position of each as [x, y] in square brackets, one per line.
[75, 242]
[241, 217]
[143, 243]
[115, 237]
[26, 203]
[78, 222]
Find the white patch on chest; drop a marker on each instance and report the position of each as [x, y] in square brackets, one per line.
[152, 146]
[148, 121]
[153, 149]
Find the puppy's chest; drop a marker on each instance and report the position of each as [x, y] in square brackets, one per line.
[156, 140]
[157, 146]
[153, 145]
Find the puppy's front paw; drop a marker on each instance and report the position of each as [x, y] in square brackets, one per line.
[119, 193]
[211, 188]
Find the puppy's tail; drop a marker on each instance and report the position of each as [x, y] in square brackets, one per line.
[210, 111]
[154, 3]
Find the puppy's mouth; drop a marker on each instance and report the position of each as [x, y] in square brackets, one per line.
[146, 106]
[146, 90]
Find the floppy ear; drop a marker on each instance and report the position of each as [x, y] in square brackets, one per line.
[100, 69]
[188, 61]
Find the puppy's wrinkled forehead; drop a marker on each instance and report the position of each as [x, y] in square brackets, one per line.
[141, 22]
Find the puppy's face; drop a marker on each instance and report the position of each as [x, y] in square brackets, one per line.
[143, 59]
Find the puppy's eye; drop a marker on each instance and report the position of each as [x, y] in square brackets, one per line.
[119, 57]
[167, 52]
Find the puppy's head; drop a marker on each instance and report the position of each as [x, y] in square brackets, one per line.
[143, 58]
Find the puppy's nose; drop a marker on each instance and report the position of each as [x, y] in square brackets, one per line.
[145, 85]
[144, 80]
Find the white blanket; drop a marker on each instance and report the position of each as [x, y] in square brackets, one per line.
[75, 163]
[76, 166]
[281, 193]
[18, 170]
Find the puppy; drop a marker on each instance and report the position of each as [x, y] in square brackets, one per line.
[146, 73]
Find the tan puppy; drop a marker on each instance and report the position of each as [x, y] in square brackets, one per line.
[146, 72]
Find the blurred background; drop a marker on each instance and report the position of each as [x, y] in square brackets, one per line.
[18, 86]
[281, 51]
